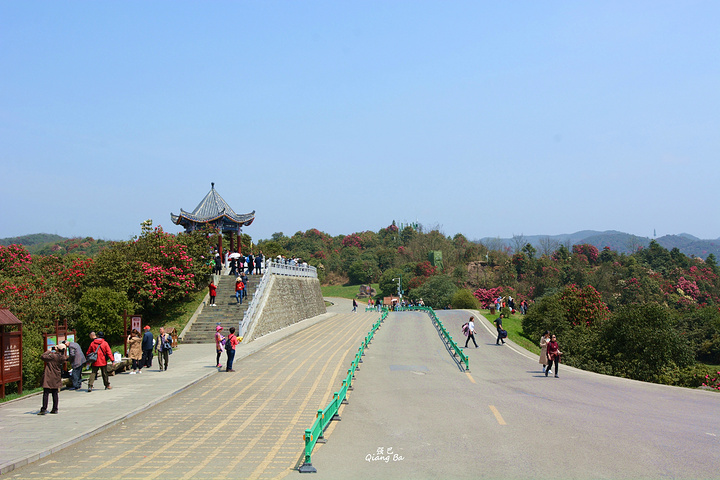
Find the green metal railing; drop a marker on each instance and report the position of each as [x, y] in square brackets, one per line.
[448, 338]
[330, 413]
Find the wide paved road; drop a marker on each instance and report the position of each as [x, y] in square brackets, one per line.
[505, 419]
[247, 424]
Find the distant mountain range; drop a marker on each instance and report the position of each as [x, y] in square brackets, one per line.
[50, 244]
[620, 242]
[617, 241]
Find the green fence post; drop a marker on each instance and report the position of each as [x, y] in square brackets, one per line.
[307, 467]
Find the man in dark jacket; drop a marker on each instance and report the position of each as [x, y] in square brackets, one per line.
[258, 263]
[250, 264]
[147, 347]
[52, 377]
[77, 361]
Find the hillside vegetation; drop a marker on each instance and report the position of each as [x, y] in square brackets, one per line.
[650, 315]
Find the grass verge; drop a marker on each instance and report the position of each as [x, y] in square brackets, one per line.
[343, 291]
[513, 325]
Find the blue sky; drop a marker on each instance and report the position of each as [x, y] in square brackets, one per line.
[484, 118]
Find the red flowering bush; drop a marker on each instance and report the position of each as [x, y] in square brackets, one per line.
[352, 240]
[14, 261]
[687, 287]
[584, 306]
[713, 382]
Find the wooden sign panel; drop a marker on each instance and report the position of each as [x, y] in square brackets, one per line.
[11, 366]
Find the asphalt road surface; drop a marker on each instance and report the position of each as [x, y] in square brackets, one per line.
[414, 414]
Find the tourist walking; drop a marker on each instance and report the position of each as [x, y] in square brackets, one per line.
[543, 349]
[163, 347]
[230, 343]
[213, 291]
[135, 351]
[553, 354]
[147, 348]
[52, 376]
[471, 332]
[258, 263]
[354, 305]
[218, 264]
[239, 287]
[250, 263]
[499, 326]
[244, 279]
[102, 349]
[77, 362]
[218, 344]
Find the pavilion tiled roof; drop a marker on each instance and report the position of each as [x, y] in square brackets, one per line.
[212, 208]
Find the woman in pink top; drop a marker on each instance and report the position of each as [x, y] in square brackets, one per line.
[218, 344]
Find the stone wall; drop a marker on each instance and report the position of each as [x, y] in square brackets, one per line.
[287, 300]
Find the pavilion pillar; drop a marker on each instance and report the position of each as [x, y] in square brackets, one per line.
[232, 242]
[222, 258]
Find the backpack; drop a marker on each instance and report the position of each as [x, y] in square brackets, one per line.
[466, 329]
[93, 356]
[503, 333]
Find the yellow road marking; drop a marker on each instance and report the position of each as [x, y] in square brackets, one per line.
[497, 415]
[470, 377]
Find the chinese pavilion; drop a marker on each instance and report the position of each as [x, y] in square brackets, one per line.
[213, 210]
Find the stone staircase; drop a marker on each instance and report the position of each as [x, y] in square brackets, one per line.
[227, 313]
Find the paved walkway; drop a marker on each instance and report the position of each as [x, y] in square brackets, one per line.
[26, 437]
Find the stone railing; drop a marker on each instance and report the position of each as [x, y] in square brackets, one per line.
[271, 268]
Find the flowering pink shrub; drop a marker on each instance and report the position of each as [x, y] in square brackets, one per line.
[352, 240]
[14, 260]
[712, 382]
[583, 305]
[687, 287]
[589, 251]
[487, 296]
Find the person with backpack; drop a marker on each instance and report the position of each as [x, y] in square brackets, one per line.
[250, 263]
[230, 343]
[501, 333]
[100, 351]
[219, 344]
[470, 328]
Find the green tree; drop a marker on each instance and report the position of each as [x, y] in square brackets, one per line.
[641, 342]
[387, 286]
[363, 272]
[101, 309]
[437, 292]
[463, 298]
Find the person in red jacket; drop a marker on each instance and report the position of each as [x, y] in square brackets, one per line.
[104, 353]
[213, 291]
